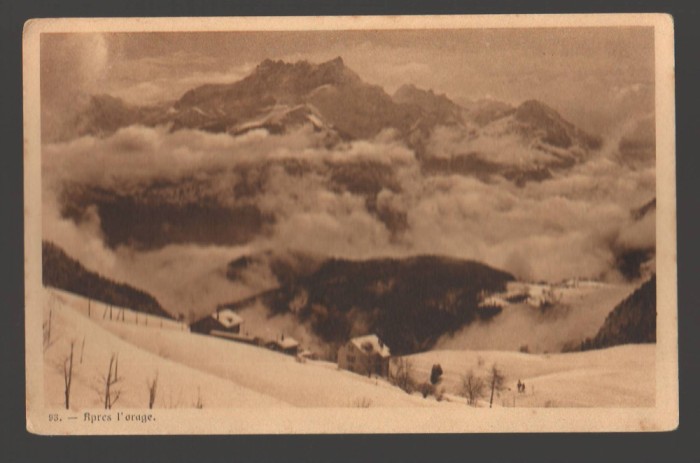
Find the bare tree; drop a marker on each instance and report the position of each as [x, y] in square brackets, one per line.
[496, 381]
[111, 395]
[47, 330]
[402, 374]
[473, 388]
[199, 404]
[152, 389]
[82, 350]
[68, 374]
[362, 402]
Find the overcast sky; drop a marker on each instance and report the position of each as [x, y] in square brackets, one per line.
[593, 76]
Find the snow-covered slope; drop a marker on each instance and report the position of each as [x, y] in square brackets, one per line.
[194, 368]
[191, 367]
[622, 376]
[178, 385]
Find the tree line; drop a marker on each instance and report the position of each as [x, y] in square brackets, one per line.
[63, 272]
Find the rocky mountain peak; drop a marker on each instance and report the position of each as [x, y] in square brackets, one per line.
[336, 99]
[303, 75]
[536, 116]
[409, 93]
[435, 108]
[534, 111]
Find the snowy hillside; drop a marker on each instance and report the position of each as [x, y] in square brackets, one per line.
[179, 386]
[192, 368]
[622, 376]
[195, 370]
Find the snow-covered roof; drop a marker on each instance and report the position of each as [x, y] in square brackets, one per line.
[287, 343]
[371, 343]
[227, 317]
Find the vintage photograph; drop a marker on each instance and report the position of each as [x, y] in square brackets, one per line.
[374, 219]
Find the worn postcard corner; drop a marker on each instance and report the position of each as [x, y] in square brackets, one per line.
[412, 224]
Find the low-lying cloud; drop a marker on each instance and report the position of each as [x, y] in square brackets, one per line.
[552, 230]
[579, 315]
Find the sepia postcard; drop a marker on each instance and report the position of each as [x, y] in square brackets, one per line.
[410, 224]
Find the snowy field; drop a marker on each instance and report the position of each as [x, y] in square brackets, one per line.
[194, 369]
[622, 376]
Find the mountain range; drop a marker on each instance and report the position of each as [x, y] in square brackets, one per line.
[485, 139]
[410, 302]
[280, 97]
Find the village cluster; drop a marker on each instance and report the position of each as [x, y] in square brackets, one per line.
[366, 355]
[536, 295]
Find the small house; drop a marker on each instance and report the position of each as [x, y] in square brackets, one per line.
[222, 320]
[285, 345]
[365, 355]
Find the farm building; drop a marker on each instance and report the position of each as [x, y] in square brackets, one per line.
[286, 345]
[366, 355]
[222, 320]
